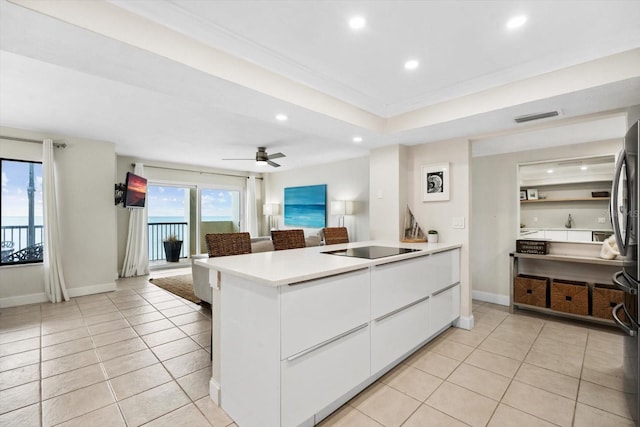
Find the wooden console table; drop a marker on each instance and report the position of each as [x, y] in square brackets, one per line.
[587, 269]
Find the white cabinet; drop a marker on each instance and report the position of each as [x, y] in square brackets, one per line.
[445, 308]
[313, 380]
[444, 270]
[560, 235]
[396, 284]
[395, 333]
[579, 235]
[538, 234]
[290, 353]
[315, 311]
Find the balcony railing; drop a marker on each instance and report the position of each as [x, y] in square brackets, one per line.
[159, 231]
[15, 238]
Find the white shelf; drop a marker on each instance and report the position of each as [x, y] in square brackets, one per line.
[577, 199]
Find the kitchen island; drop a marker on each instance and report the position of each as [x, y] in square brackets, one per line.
[297, 333]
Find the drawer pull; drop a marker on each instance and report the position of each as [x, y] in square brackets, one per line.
[302, 282]
[398, 310]
[383, 263]
[445, 289]
[327, 342]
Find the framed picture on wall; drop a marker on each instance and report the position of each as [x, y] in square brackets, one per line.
[435, 182]
[532, 194]
[523, 195]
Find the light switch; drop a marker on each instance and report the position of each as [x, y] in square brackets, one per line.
[601, 220]
[457, 222]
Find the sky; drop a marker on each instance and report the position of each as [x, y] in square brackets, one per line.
[15, 180]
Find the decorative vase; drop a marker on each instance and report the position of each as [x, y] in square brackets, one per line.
[172, 250]
[433, 238]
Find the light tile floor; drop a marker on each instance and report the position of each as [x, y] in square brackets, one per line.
[140, 356]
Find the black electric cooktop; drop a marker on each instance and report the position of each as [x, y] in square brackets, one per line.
[371, 252]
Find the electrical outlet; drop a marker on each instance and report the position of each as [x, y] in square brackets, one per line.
[601, 220]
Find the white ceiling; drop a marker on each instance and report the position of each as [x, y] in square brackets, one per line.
[82, 79]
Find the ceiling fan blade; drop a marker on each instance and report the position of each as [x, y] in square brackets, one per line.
[240, 159]
[276, 156]
[274, 164]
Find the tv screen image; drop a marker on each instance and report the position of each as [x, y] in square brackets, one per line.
[136, 191]
[305, 206]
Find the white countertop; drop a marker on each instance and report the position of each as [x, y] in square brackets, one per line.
[277, 268]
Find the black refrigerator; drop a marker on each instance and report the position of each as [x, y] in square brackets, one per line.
[625, 217]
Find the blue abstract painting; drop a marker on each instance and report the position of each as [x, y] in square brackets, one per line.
[305, 206]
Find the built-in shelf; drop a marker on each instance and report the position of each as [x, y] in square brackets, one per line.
[604, 268]
[577, 199]
[565, 315]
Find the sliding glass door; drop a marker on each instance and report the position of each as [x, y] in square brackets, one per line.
[221, 211]
[169, 216]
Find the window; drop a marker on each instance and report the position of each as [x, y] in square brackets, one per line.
[21, 226]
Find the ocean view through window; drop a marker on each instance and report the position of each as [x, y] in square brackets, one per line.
[21, 217]
[189, 213]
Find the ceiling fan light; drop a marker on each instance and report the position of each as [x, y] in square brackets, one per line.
[261, 162]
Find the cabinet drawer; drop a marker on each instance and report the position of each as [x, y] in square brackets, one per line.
[444, 308]
[316, 379]
[397, 284]
[444, 270]
[396, 333]
[315, 311]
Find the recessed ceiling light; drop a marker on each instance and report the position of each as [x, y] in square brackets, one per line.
[549, 170]
[516, 22]
[357, 22]
[357, 139]
[282, 118]
[583, 168]
[411, 64]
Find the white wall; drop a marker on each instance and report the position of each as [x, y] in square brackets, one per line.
[438, 215]
[86, 174]
[388, 192]
[495, 203]
[346, 180]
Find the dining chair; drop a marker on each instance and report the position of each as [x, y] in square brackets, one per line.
[288, 239]
[335, 235]
[224, 244]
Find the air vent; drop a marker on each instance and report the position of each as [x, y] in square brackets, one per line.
[536, 116]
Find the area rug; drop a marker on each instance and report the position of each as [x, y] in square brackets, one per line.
[181, 285]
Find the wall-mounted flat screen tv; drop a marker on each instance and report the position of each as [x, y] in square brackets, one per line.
[305, 206]
[136, 191]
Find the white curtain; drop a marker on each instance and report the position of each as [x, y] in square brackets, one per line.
[136, 257]
[54, 284]
[252, 209]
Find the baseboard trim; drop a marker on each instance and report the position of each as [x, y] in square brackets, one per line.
[214, 391]
[23, 300]
[464, 322]
[492, 298]
[90, 290]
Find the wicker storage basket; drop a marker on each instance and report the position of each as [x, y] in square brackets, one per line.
[536, 247]
[531, 290]
[570, 296]
[604, 298]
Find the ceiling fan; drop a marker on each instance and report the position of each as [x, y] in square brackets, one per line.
[262, 158]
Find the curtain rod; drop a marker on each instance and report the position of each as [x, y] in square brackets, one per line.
[36, 141]
[187, 170]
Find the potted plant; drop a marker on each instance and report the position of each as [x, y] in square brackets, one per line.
[433, 236]
[172, 248]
